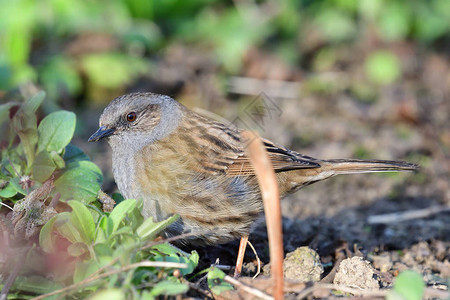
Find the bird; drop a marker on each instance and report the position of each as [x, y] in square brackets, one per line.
[180, 162]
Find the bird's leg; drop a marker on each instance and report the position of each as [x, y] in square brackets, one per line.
[240, 256]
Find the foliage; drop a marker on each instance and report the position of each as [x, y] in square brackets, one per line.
[100, 245]
[43, 152]
[108, 45]
[83, 249]
[409, 285]
[216, 281]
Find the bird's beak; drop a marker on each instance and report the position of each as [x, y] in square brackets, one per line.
[102, 132]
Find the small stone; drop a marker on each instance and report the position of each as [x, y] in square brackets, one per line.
[249, 268]
[382, 262]
[356, 272]
[400, 267]
[266, 269]
[303, 264]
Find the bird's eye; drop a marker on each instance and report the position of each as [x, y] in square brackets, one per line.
[131, 117]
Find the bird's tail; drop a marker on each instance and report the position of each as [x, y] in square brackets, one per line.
[352, 166]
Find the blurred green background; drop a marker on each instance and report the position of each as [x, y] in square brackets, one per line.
[94, 50]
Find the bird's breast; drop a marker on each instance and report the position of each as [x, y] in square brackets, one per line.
[124, 171]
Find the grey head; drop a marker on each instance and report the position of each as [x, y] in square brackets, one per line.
[138, 119]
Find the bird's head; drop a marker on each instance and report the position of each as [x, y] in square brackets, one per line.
[137, 118]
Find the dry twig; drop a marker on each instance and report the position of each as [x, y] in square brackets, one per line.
[407, 215]
[354, 291]
[247, 288]
[271, 198]
[258, 270]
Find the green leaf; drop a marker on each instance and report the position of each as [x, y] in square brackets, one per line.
[102, 249]
[167, 249]
[120, 211]
[4, 111]
[36, 284]
[409, 285]
[80, 181]
[103, 253]
[32, 104]
[12, 162]
[25, 127]
[46, 236]
[216, 281]
[84, 269]
[74, 154]
[12, 189]
[101, 236]
[66, 229]
[43, 166]
[110, 294]
[56, 131]
[117, 197]
[124, 231]
[24, 123]
[83, 221]
[145, 294]
[192, 263]
[15, 182]
[106, 224]
[167, 252]
[8, 191]
[150, 229]
[58, 160]
[77, 249]
[174, 259]
[169, 288]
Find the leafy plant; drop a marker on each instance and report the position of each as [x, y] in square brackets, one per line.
[43, 152]
[83, 248]
[101, 245]
[216, 282]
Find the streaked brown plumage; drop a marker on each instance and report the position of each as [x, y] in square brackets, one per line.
[179, 162]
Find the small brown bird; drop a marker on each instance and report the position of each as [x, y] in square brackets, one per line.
[179, 162]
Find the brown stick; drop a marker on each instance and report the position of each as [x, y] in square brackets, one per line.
[270, 194]
[240, 256]
[251, 290]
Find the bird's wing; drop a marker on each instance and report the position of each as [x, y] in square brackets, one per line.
[224, 152]
[282, 160]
